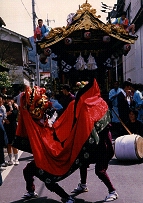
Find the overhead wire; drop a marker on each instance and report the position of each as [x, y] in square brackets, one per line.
[26, 9]
[38, 8]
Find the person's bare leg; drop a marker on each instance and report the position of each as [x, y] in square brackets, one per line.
[10, 154]
[132, 28]
[15, 151]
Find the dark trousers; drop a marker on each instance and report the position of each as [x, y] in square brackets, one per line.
[2, 142]
[100, 170]
[0, 179]
[103, 154]
[30, 171]
[1, 155]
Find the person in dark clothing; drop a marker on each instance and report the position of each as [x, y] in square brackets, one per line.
[104, 153]
[123, 106]
[2, 145]
[10, 126]
[32, 170]
[3, 137]
[56, 106]
[3, 91]
[67, 96]
[135, 126]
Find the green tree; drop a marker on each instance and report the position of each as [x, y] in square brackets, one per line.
[5, 80]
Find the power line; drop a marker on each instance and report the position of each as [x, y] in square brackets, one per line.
[26, 9]
[38, 8]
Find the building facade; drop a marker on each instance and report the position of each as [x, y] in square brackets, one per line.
[14, 55]
[133, 62]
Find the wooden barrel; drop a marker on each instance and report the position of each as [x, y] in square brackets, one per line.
[129, 147]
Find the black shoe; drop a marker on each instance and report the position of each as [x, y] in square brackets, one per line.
[68, 200]
[5, 164]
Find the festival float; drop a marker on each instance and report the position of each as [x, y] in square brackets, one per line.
[85, 46]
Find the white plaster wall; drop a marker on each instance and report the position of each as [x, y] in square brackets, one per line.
[129, 64]
[139, 56]
[24, 55]
[8, 36]
[135, 6]
[133, 62]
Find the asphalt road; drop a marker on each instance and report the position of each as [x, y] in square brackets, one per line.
[126, 177]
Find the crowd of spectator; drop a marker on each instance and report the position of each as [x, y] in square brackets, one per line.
[124, 101]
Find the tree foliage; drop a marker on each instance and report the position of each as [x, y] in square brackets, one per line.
[5, 80]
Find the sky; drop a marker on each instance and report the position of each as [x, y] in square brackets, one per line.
[17, 14]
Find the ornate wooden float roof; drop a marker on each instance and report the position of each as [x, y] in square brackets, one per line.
[86, 20]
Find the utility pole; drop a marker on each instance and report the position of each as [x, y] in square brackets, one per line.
[48, 21]
[36, 55]
[34, 15]
[51, 67]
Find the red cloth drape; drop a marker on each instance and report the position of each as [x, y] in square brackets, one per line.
[49, 154]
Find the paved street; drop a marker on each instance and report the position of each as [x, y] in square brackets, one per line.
[127, 178]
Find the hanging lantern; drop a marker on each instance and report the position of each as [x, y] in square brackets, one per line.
[91, 64]
[87, 35]
[106, 39]
[127, 47]
[68, 41]
[47, 51]
[43, 58]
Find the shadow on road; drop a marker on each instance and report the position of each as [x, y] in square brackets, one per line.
[45, 200]
[82, 200]
[26, 158]
[115, 161]
[36, 200]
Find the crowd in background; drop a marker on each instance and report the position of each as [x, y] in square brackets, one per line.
[126, 105]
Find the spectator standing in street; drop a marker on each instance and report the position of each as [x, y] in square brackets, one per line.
[41, 30]
[138, 99]
[56, 106]
[3, 137]
[130, 98]
[3, 142]
[67, 96]
[113, 104]
[3, 91]
[123, 106]
[135, 126]
[10, 126]
[17, 98]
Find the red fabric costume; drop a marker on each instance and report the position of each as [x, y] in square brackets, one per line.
[54, 156]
